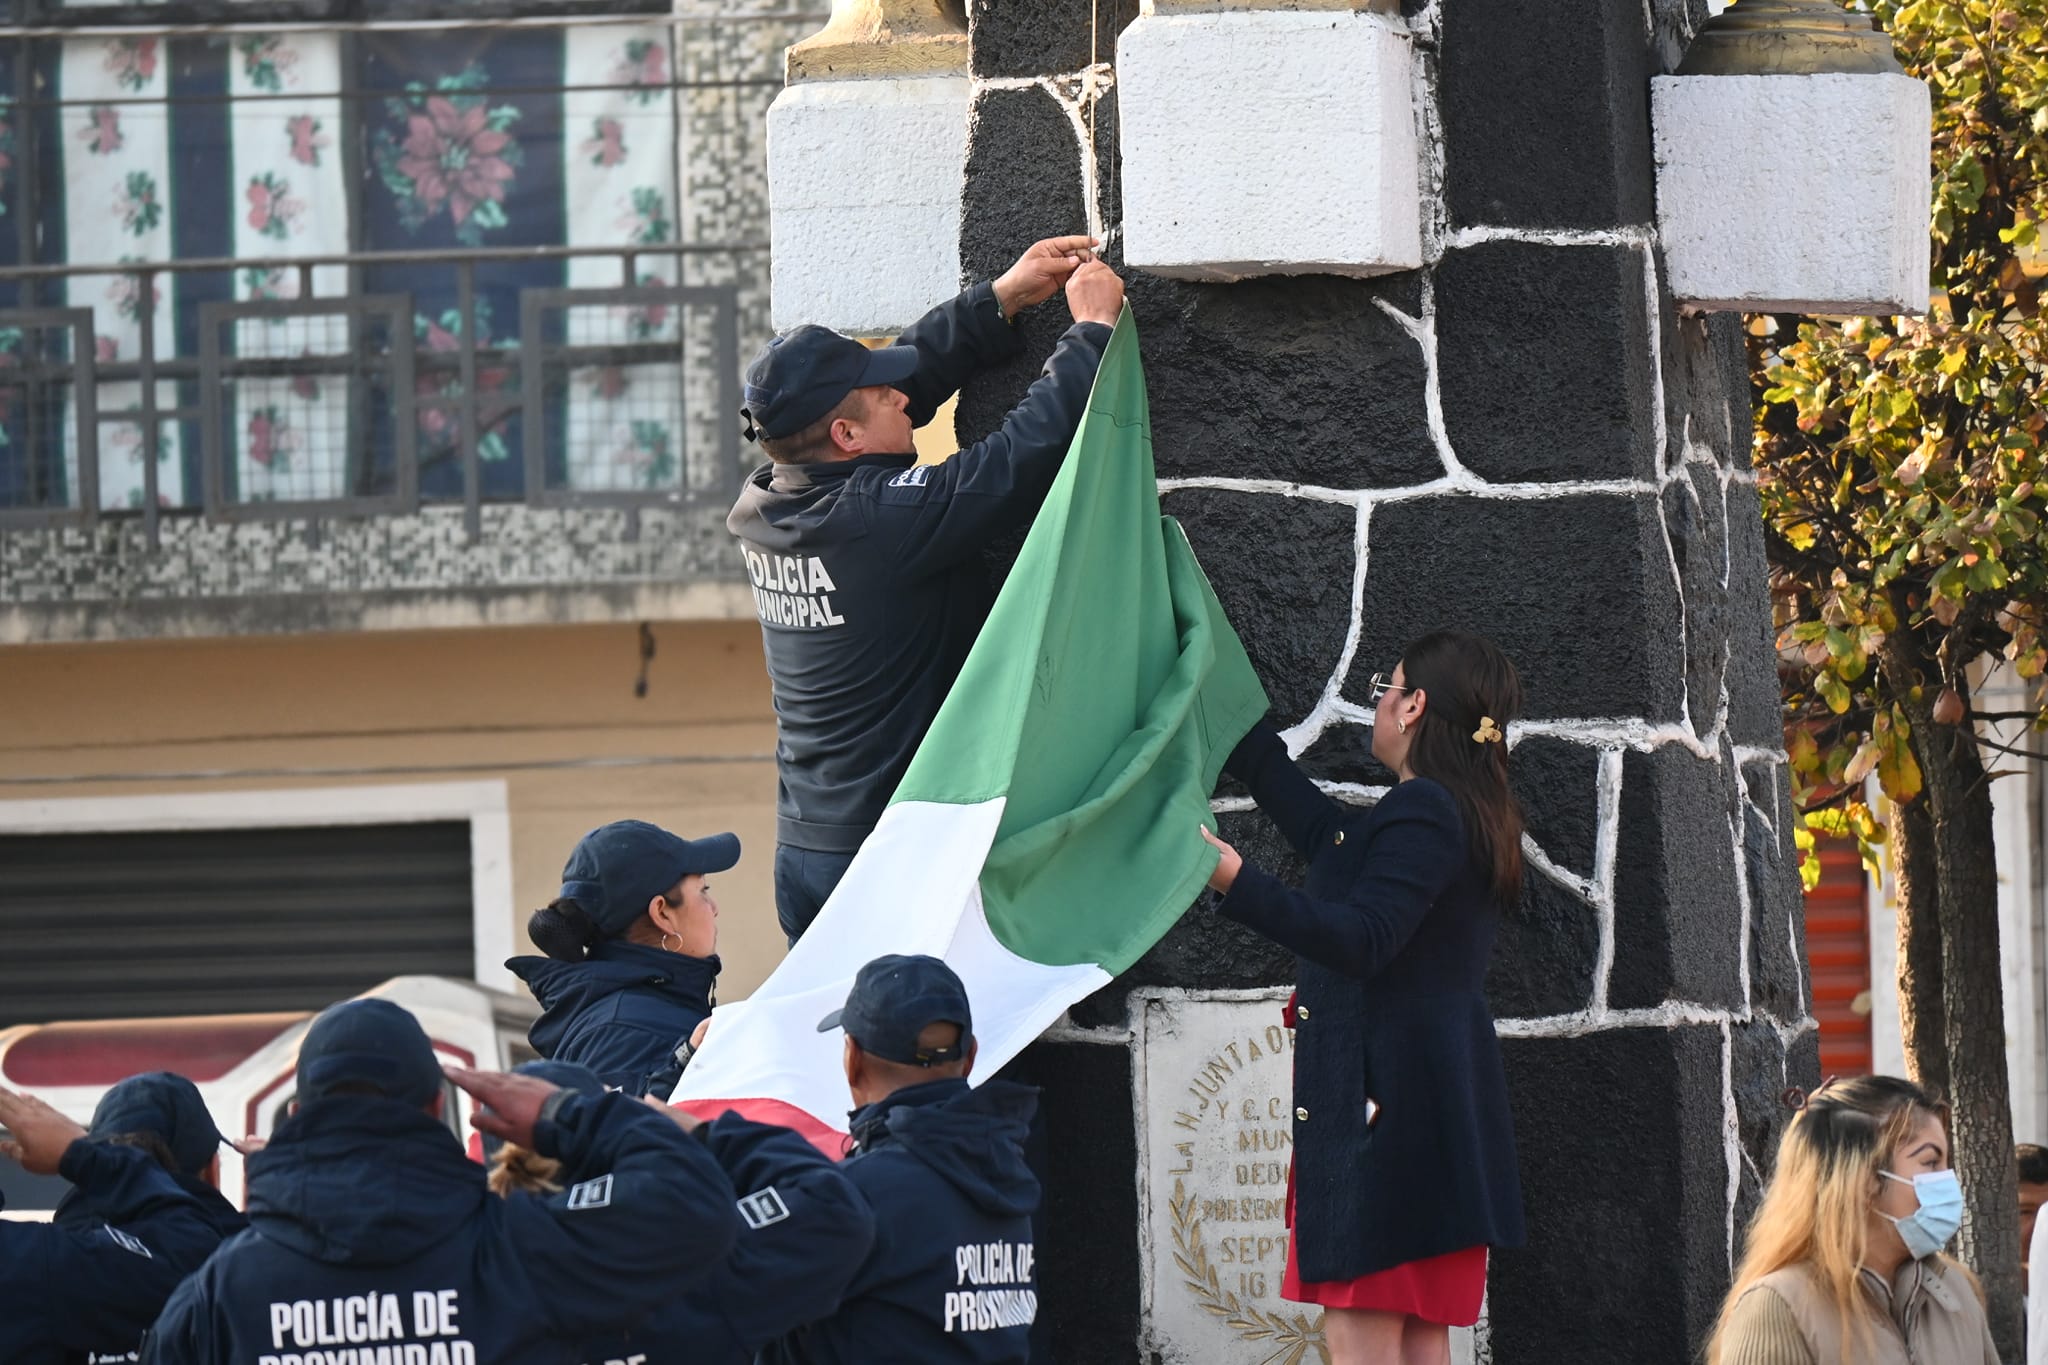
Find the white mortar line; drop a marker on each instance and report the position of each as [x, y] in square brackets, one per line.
[1627, 732]
[1581, 1023]
[1482, 234]
[1462, 483]
[1753, 753]
[1653, 302]
[1425, 46]
[1607, 806]
[1311, 726]
[1533, 854]
[1731, 1133]
[1678, 591]
[1743, 901]
[1798, 966]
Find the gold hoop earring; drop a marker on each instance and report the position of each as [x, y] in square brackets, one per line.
[666, 936]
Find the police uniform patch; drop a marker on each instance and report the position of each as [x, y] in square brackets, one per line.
[762, 1208]
[128, 1243]
[591, 1194]
[913, 477]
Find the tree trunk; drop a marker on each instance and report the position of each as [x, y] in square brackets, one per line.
[1957, 795]
[1921, 1026]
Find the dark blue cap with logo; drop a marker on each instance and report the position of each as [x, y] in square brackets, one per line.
[804, 373]
[370, 1043]
[168, 1105]
[617, 868]
[893, 999]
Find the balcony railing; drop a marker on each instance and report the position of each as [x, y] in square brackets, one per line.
[320, 400]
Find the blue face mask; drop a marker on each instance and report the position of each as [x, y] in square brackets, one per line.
[1927, 1229]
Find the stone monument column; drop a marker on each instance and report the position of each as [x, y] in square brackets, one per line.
[1526, 437]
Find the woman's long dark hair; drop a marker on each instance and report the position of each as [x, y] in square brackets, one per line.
[1468, 682]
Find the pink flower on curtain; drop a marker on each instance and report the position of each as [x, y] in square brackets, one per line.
[106, 350]
[102, 134]
[607, 144]
[307, 139]
[132, 61]
[643, 65]
[267, 62]
[138, 205]
[272, 210]
[452, 156]
[272, 441]
[125, 293]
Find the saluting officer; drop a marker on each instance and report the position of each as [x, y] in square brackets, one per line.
[952, 1275]
[867, 567]
[373, 1237]
[141, 1215]
[806, 1232]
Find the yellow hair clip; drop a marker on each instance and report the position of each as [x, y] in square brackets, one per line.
[1487, 733]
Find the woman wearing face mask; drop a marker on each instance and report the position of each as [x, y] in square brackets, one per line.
[1404, 1150]
[1843, 1264]
[632, 953]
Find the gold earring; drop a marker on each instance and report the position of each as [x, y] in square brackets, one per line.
[666, 936]
[1401, 725]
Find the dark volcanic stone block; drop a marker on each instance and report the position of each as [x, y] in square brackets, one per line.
[1302, 378]
[1282, 567]
[1695, 520]
[1087, 1229]
[1546, 954]
[1624, 1179]
[1677, 925]
[1557, 783]
[1023, 184]
[1576, 590]
[1757, 1076]
[1706, 384]
[1546, 113]
[1777, 935]
[1545, 360]
[1756, 706]
[1043, 37]
[1204, 948]
[1343, 753]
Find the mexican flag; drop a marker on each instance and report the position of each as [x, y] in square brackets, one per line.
[1045, 834]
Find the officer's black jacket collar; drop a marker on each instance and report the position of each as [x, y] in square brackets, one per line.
[790, 478]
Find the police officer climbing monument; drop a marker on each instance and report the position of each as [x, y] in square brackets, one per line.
[866, 566]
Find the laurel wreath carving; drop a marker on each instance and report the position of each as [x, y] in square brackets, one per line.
[1293, 1337]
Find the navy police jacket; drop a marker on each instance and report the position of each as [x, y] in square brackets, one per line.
[374, 1240]
[621, 1012]
[89, 1283]
[1393, 934]
[869, 576]
[951, 1277]
[804, 1231]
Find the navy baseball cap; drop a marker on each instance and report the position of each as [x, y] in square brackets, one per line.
[617, 868]
[892, 1000]
[369, 1042]
[804, 373]
[166, 1104]
[567, 1075]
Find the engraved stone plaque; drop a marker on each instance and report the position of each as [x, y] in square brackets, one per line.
[1215, 1131]
[1214, 1095]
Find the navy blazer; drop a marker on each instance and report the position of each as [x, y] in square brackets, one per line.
[1393, 934]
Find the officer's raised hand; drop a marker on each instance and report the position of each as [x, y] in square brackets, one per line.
[40, 1133]
[1040, 271]
[1095, 294]
[508, 1107]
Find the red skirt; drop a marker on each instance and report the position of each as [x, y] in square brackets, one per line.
[1446, 1289]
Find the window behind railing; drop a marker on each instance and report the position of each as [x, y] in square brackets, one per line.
[355, 267]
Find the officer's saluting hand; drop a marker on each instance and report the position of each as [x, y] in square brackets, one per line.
[866, 565]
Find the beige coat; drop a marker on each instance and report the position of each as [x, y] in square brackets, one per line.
[1929, 1315]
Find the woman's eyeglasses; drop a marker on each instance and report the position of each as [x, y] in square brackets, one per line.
[1382, 684]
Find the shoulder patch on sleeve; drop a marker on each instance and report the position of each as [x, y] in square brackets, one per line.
[762, 1208]
[913, 477]
[129, 1243]
[591, 1194]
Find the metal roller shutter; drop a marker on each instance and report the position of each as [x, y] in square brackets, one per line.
[126, 925]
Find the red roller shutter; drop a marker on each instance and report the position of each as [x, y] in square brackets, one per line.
[1838, 958]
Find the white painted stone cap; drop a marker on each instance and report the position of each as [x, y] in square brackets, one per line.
[862, 241]
[1796, 194]
[1269, 142]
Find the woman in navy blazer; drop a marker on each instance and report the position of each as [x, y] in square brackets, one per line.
[1404, 1151]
